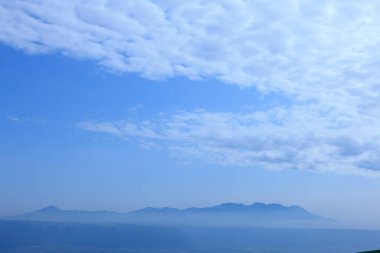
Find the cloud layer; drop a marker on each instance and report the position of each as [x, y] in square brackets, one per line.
[324, 55]
[325, 51]
[286, 45]
[296, 138]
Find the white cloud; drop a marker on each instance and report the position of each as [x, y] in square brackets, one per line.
[299, 47]
[295, 138]
[324, 50]
[323, 54]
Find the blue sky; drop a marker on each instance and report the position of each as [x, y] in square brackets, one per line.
[125, 104]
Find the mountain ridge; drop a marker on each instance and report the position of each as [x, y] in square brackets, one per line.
[224, 207]
[224, 214]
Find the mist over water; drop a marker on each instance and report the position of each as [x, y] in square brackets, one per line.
[24, 236]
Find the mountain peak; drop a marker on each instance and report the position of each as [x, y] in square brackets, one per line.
[230, 205]
[50, 209]
[157, 210]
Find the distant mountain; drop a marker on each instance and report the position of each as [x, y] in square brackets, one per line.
[150, 210]
[49, 209]
[227, 214]
[233, 215]
[53, 213]
[57, 210]
[260, 210]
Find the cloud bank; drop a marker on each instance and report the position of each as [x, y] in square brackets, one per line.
[324, 55]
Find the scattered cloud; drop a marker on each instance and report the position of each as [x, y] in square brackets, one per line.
[304, 138]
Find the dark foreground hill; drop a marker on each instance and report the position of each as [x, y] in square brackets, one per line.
[55, 237]
[227, 214]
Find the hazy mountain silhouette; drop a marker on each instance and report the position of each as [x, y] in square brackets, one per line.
[232, 214]
[53, 213]
[50, 209]
[260, 210]
[227, 214]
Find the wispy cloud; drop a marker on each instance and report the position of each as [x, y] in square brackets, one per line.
[18, 119]
[296, 138]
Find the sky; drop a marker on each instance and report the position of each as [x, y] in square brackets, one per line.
[119, 105]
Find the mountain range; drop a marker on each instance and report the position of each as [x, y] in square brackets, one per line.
[226, 214]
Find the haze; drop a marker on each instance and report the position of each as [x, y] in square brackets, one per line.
[121, 105]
